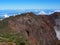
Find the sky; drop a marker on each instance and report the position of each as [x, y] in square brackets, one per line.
[29, 4]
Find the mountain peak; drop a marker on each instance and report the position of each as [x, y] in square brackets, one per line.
[35, 28]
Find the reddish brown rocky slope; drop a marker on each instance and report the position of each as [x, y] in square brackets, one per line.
[39, 30]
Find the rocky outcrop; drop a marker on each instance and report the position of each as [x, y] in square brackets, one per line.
[56, 21]
[39, 30]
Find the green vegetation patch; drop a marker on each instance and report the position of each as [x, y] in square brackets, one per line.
[3, 24]
[17, 38]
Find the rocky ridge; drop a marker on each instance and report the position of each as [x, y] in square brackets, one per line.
[37, 29]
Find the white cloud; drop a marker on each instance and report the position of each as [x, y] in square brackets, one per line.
[57, 11]
[6, 16]
[50, 12]
[42, 12]
[57, 32]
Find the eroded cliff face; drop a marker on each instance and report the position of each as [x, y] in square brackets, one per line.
[56, 18]
[39, 30]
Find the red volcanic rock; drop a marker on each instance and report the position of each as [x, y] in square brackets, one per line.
[38, 29]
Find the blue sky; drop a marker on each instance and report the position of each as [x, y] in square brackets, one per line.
[29, 4]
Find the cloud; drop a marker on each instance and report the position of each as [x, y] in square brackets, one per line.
[6, 16]
[42, 13]
[57, 32]
[57, 10]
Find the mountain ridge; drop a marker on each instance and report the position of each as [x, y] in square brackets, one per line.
[38, 29]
